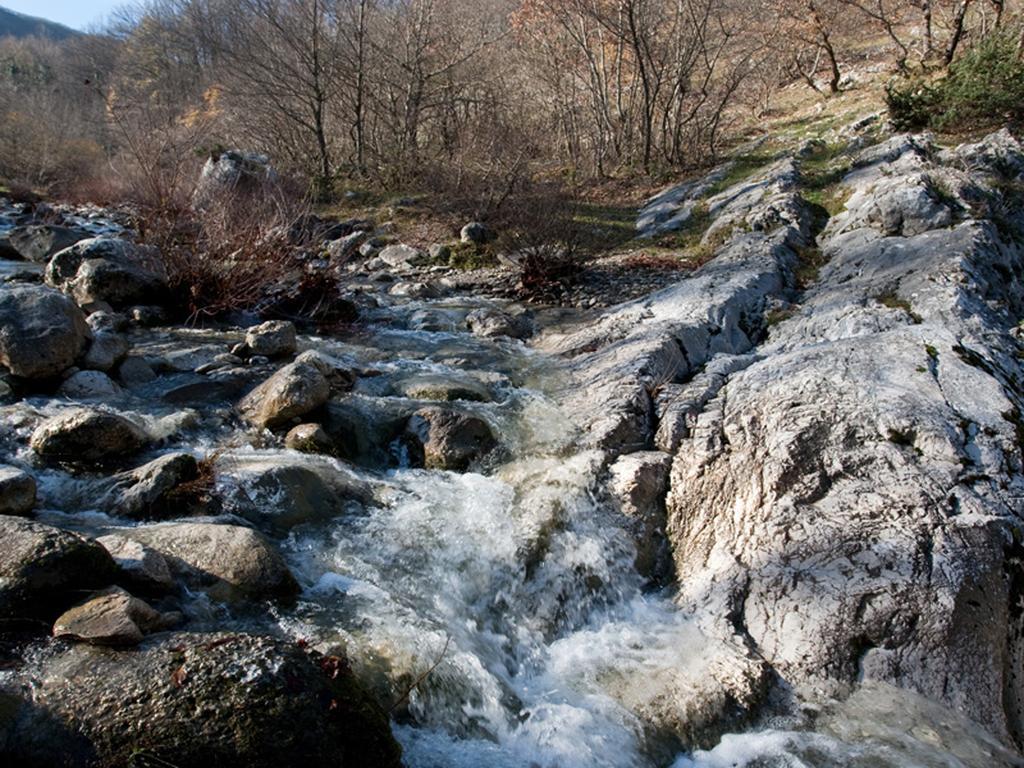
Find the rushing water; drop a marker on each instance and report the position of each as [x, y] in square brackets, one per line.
[497, 612]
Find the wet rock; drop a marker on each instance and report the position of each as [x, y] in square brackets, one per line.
[364, 429]
[145, 492]
[111, 617]
[476, 233]
[639, 481]
[39, 242]
[400, 255]
[194, 701]
[41, 331]
[229, 562]
[140, 568]
[88, 385]
[341, 373]
[443, 389]
[87, 434]
[219, 385]
[135, 372]
[414, 290]
[107, 322]
[279, 494]
[432, 320]
[17, 491]
[343, 248]
[292, 392]
[43, 569]
[106, 350]
[447, 439]
[110, 270]
[274, 338]
[309, 438]
[490, 323]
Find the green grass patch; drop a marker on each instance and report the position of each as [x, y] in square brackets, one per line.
[893, 301]
[809, 264]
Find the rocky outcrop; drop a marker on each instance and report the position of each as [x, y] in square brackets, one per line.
[87, 434]
[43, 569]
[41, 331]
[230, 700]
[110, 270]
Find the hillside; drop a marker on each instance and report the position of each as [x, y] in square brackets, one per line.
[14, 24]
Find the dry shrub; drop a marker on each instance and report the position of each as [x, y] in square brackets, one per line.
[541, 232]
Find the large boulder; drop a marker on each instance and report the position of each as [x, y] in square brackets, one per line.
[39, 242]
[229, 562]
[110, 270]
[401, 255]
[293, 391]
[140, 568]
[447, 439]
[230, 173]
[41, 331]
[87, 434]
[88, 385]
[43, 569]
[17, 491]
[193, 701]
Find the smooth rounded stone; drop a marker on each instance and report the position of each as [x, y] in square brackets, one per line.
[439, 438]
[111, 270]
[341, 373]
[414, 290]
[274, 338]
[194, 701]
[477, 233]
[43, 569]
[135, 372]
[87, 385]
[140, 568]
[489, 323]
[292, 392]
[106, 350]
[229, 562]
[281, 493]
[87, 434]
[401, 255]
[639, 481]
[42, 332]
[144, 492]
[259, 360]
[111, 617]
[444, 389]
[17, 491]
[309, 438]
[39, 242]
[432, 321]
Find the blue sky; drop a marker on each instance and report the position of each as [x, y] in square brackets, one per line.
[77, 14]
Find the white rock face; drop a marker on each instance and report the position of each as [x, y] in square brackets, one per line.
[846, 489]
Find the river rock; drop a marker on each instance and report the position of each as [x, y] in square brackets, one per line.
[107, 322]
[293, 391]
[445, 439]
[230, 173]
[144, 492]
[39, 242]
[43, 569]
[274, 338]
[106, 350]
[476, 233]
[17, 491]
[140, 568]
[135, 372]
[87, 434]
[366, 429]
[110, 617]
[88, 385]
[309, 438]
[400, 255]
[111, 270]
[443, 389]
[491, 323]
[41, 331]
[229, 562]
[193, 701]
